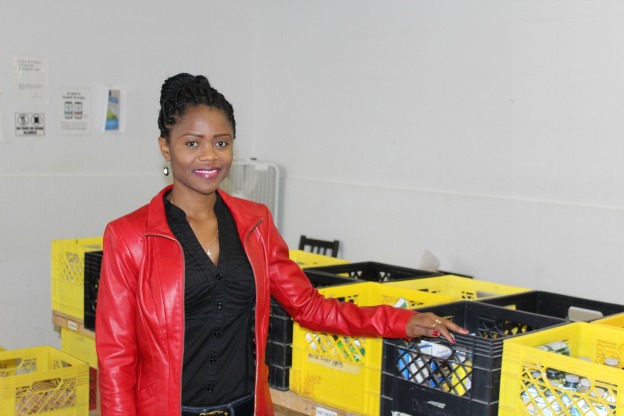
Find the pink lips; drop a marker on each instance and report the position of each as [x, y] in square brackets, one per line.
[207, 173]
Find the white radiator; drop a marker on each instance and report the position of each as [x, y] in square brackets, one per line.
[256, 181]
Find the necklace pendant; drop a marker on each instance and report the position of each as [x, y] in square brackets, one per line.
[209, 253]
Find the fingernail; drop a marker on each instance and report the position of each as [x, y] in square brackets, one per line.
[453, 338]
[435, 334]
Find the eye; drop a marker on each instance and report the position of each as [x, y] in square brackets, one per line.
[191, 143]
[222, 143]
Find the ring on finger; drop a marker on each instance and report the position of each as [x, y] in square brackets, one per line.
[437, 321]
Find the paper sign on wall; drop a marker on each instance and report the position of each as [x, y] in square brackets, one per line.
[73, 113]
[29, 124]
[115, 110]
[31, 80]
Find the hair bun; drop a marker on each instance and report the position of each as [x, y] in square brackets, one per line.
[176, 82]
[183, 90]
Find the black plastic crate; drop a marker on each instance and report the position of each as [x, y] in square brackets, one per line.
[280, 329]
[92, 265]
[279, 377]
[554, 304]
[372, 271]
[278, 354]
[466, 379]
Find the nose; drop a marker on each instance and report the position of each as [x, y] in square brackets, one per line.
[207, 152]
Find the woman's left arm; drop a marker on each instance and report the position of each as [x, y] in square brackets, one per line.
[294, 292]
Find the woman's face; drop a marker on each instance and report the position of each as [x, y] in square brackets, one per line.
[200, 150]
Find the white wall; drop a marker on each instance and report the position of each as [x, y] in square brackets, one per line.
[59, 187]
[487, 132]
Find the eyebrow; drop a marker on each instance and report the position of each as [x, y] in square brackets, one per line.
[198, 135]
[222, 135]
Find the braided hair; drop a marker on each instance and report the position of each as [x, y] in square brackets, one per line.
[182, 91]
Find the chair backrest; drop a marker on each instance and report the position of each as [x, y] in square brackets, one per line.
[322, 247]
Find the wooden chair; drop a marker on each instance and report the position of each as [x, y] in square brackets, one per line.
[322, 247]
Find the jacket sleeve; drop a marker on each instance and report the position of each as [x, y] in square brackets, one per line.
[293, 290]
[115, 327]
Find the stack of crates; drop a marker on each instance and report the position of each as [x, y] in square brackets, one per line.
[341, 371]
[584, 377]
[432, 376]
[279, 342]
[43, 381]
[75, 264]
[67, 273]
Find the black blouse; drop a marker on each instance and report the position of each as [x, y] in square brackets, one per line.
[219, 347]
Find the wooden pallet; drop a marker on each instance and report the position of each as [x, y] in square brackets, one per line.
[69, 322]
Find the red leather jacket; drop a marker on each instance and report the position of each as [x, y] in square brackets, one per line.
[140, 309]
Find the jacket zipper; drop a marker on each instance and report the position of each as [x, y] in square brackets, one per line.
[251, 230]
[168, 237]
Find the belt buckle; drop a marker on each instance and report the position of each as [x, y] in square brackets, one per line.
[216, 413]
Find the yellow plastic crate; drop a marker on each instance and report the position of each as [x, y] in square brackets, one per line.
[67, 274]
[305, 259]
[80, 346]
[345, 372]
[43, 381]
[525, 365]
[461, 288]
[614, 321]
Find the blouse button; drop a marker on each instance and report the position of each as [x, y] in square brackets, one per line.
[217, 334]
[210, 389]
[219, 305]
[218, 276]
[213, 361]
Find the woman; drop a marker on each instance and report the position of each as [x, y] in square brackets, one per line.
[184, 294]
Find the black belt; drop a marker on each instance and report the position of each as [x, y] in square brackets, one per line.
[239, 407]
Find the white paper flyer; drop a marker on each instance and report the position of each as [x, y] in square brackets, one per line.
[74, 111]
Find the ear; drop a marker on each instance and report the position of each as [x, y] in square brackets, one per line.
[164, 148]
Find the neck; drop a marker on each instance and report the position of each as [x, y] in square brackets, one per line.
[196, 205]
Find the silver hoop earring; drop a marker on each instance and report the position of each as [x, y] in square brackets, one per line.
[166, 171]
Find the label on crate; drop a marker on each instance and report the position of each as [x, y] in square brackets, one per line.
[334, 364]
[324, 412]
[72, 325]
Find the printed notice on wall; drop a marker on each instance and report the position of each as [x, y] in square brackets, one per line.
[73, 112]
[29, 124]
[31, 80]
[115, 109]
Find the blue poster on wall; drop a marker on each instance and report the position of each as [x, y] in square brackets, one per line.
[113, 113]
